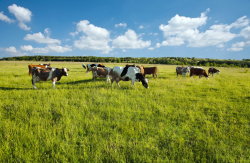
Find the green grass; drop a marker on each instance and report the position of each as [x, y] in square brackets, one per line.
[175, 120]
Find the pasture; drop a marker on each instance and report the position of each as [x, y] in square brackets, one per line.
[175, 120]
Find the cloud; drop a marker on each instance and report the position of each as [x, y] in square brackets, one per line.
[124, 25]
[40, 38]
[12, 51]
[48, 49]
[220, 46]
[94, 38]
[155, 34]
[124, 50]
[141, 27]
[245, 33]
[22, 14]
[5, 18]
[130, 41]
[151, 48]
[238, 46]
[73, 34]
[184, 29]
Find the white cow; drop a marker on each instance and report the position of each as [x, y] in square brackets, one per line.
[128, 73]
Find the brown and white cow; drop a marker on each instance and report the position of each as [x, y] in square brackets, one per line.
[100, 72]
[182, 71]
[89, 66]
[45, 64]
[32, 66]
[150, 70]
[198, 71]
[213, 71]
[46, 74]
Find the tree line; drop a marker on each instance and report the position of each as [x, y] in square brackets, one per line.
[140, 60]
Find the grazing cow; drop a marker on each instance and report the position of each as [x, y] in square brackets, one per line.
[48, 65]
[100, 72]
[46, 74]
[32, 66]
[150, 70]
[128, 73]
[213, 71]
[199, 72]
[182, 70]
[140, 67]
[89, 66]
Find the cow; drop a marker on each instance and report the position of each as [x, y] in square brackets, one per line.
[48, 65]
[46, 74]
[89, 66]
[32, 66]
[199, 72]
[140, 67]
[150, 70]
[128, 73]
[213, 71]
[182, 71]
[101, 72]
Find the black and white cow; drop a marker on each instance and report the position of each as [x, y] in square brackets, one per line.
[46, 74]
[213, 71]
[182, 71]
[89, 66]
[128, 73]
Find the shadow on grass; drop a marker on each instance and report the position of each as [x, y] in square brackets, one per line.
[7, 89]
[81, 81]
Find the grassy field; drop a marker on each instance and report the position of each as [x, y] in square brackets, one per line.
[175, 120]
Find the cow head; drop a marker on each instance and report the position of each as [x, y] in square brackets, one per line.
[65, 71]
[218, 71]
[144, 81]
[205, 74]
[83, 65]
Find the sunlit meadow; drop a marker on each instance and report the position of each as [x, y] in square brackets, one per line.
[175, 120]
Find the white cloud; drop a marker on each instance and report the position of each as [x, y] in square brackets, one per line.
[5, 18]
[73, 34]
[245, 32]
[124, 50]
[12, 51]
[124, 25]
[141, 27]
[96, 38]
[130, 41]
[40, 38]
[22, 14]
[184, 29]
[151, 48]
[155, 34]
[67, 39]
[238, 46]
[48, 49]
[220, 45]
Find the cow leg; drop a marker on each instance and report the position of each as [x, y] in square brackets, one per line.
[93, 79]
[34, 81]
[53, 83]
[107, 78]
[132, 83]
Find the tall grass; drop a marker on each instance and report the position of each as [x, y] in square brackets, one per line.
[175, 120]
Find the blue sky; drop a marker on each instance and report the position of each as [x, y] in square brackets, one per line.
[216, 29]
